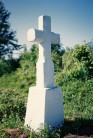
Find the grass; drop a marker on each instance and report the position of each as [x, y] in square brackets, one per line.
[78, 106]
[77, 95]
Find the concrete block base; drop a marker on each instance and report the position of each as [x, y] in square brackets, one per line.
[44, 106]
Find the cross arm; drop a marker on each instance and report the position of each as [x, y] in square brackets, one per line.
[55, 38]
[35, 35]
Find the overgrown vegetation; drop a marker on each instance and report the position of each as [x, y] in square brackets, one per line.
[73, 72]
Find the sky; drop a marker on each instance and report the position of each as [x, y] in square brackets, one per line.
[72, 19]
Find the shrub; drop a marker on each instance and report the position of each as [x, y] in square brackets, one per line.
[11, 104]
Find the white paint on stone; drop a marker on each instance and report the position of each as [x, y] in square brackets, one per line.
[45, 66]
[45, 103]
[44, 106]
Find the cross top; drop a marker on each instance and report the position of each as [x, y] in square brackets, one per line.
[44, 26]
[44, 23]
[44, 36]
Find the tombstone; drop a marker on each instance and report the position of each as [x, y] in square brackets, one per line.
[45, 103]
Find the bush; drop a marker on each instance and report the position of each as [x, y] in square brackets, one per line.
[11, 104]
[84, 54]
[77, 95]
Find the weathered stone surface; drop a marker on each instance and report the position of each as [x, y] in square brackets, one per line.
[45, 103]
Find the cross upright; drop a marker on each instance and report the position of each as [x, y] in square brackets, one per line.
[45, 66]
[45, 102]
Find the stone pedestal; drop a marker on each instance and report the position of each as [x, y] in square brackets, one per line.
[44, 106]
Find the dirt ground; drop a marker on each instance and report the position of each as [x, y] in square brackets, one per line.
[83, 132]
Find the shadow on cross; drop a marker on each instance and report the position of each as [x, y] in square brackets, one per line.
[79, 127]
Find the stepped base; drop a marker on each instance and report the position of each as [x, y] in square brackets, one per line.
[44, 106]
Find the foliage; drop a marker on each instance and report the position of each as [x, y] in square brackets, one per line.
[11, 103]
[57, 52]
[77, 96]
[78, 62]
[8, 66]
[72, 74]
[84, 54]
[43, 132]
[76, 80]
[7, 35]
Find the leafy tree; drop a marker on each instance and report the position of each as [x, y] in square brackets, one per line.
[78, 62]
[8, 42]
[84, 55]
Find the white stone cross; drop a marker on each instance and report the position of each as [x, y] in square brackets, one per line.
[44, 36]
[45, 102]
